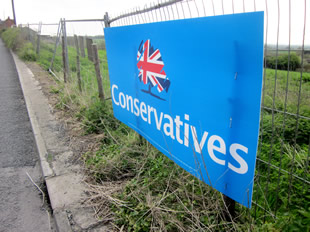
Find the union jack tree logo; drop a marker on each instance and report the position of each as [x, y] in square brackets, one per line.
[150, 65]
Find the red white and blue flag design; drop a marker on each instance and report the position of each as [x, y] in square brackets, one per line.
[150, 65]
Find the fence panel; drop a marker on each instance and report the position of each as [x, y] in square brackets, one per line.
[282, 175]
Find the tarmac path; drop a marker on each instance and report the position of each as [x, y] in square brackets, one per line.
[20, 201]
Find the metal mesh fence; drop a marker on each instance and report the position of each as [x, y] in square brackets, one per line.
[282, 176]
[56, 43]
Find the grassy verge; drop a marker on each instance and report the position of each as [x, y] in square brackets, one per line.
[16, 40]
[143, 190]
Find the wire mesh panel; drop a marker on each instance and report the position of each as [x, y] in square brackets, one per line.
[281, 183]
[282, 174]
[89, 86]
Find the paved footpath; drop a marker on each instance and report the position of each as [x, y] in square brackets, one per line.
[20, 201]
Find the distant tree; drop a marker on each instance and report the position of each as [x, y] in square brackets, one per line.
[270, 62]
[294, 62]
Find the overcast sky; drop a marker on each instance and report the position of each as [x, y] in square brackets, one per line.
[50, 11]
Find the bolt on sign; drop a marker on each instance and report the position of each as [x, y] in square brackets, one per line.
[192, 88]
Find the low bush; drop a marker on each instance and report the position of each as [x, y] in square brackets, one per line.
[13, 38]
[27, 52]
[282, 62]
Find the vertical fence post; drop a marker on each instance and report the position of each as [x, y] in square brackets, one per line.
[98, 74]
[64, 58]
[38, 38]
[90, 52]
[229, 213]
[82, 48]
[106, 20]
[64, 32]
[29, 37]
[59, 30]
[38, 44]
[78, 70]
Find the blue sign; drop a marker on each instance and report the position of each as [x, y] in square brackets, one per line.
[192, 88]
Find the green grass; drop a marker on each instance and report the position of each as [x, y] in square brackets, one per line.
[15, 40]
[72, 96]
[291, 100]
[159, 195]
